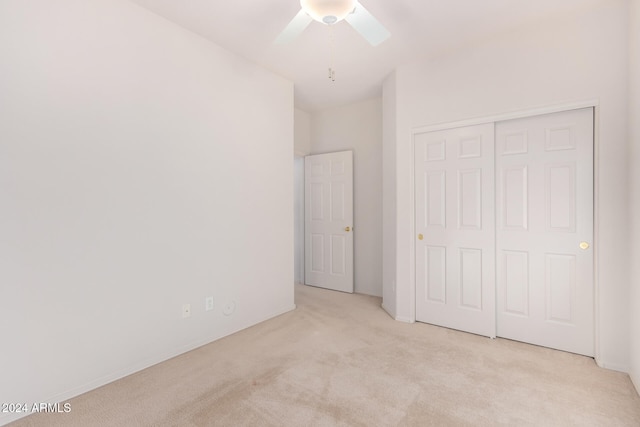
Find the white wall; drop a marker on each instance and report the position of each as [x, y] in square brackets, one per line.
[634, 173]
[580, 57]
[141, 167]
[358, 127]
[298, 219]
[389, 202]
[302, 132]
[302, 147]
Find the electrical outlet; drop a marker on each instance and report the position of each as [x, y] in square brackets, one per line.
[229, 308]
[186, 310]
[208, 304]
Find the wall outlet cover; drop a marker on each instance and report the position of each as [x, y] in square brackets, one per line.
[229, 308]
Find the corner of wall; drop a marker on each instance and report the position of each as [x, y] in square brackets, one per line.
[389, 202]
[634, 190]
[635, 380]
[301, 132]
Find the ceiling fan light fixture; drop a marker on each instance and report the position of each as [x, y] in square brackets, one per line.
[328, 11]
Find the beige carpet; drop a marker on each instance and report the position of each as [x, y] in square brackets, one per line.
[340, 360]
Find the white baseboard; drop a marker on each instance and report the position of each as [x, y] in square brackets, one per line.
[405, 319]
[65, 396]
[398, 318]
[635, 379]
[611, 366]
[386, 309]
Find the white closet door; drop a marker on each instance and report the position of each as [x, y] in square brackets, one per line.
[455, 228]
[544, 233]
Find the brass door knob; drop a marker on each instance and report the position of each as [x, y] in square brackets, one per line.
[347, 229]
[420, 237]
[584, 246]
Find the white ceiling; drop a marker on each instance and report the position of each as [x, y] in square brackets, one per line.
[419, 29]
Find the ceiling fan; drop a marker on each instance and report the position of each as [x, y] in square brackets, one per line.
[330, 12]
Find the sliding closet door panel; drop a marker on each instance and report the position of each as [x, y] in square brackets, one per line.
[544, 233]
[455, 251]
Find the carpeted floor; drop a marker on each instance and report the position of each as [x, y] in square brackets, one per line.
[340, 360]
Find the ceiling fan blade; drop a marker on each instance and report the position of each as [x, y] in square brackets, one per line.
[294, 28]
[368, 26]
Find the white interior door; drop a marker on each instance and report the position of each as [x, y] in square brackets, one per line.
[455, 228]
[544, 199]
[329, 221]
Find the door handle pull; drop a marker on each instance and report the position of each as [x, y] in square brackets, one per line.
[347, 229]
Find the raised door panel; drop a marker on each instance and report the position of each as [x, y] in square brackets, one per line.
[338, 249]
[435, 273]
[337, 198]
[515, 274]
[316, 197]
[560, 282]
[560, 191]
[435, 199]
[470, 199]
[514, 186]
[316, 254]
[471, 278]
